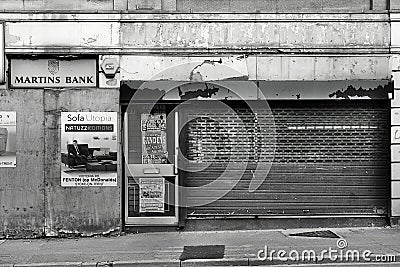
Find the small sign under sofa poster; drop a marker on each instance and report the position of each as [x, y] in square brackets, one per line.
[89, 149]
[8, 139]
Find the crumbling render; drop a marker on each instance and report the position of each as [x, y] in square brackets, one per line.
[379, 92]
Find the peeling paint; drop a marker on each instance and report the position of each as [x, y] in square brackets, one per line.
[283, 34]
[322, 89]
[197, 76]
[379, 92]
[203, 93]
[111, 82]
[10, 38]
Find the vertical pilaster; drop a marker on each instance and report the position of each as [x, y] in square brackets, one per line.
[395, 142]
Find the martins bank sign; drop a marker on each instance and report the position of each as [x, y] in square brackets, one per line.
[42, 73]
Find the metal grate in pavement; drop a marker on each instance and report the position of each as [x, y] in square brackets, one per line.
[203, 252]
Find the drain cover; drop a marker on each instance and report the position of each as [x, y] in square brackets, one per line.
[203, 252]
[323, 234]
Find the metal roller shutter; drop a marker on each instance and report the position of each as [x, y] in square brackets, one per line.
[332, 157]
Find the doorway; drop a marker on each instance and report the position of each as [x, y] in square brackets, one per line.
[150, 147]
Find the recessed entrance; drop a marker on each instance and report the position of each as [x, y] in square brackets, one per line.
[151, 177]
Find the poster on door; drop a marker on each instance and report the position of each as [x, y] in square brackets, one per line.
[89, 149]
[154, 139]
[151, 194]
[154, 147]
[8, 139]
[153, 122]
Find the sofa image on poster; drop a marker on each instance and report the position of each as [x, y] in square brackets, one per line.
[89, 149]
[8, 139]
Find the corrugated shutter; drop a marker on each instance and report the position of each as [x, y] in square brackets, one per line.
[332, 157]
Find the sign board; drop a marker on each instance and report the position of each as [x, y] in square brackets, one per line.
[151, 194]
[8, 136]
[53, 73]
[89, 149]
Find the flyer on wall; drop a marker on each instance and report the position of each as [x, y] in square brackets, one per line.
[8, 139]
[89, 148]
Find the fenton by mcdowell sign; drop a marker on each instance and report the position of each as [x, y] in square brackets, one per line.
[42, 73]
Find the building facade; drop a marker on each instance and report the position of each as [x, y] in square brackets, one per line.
[229, 114]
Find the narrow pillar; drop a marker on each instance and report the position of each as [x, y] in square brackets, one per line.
[395, 144]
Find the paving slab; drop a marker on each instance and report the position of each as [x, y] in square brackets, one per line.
[164, 249]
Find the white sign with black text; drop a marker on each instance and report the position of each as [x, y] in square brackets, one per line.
[53, 73]
[89, 149]
[8, 138]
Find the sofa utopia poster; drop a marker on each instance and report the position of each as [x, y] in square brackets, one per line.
[89, 148]
[8, 136]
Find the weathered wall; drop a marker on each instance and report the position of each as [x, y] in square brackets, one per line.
[32, 201]
[91, 5]
[21, 188]
[294, 33]
[196, 5]
[61, 35]
[293, 46]
[201, 33]
[272, 5]
[85, 210]
[270, 68]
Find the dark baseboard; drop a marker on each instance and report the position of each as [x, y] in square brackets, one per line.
[282, 223]
[227, 224]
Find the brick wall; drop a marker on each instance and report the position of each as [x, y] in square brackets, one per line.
[306, 132]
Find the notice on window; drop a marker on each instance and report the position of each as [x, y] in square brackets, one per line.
[156, 122]
[152, 193]
[89, 149]
[154, 139]
[8, 139]
[154, 147]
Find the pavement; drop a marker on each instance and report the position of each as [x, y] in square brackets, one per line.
[375, 246]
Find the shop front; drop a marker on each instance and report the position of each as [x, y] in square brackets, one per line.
[202, 156]
[283, 116]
